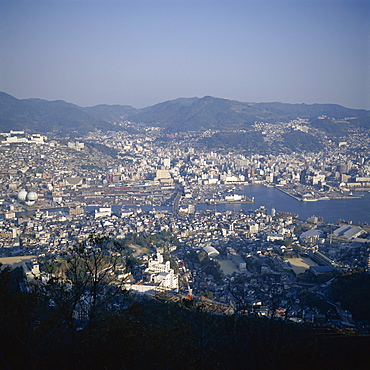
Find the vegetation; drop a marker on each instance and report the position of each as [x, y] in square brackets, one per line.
[46, 116]
[331, 127]
[153, 334]
[178, 115]
[246, 141]
[159, 240]
[301, 228]
[89, 167]
[353, 291]
[83, 282]
[206, 294]
[133, 333]
[310, 277]
[298, 141]
[104, 149]
[313, 300]
[207, 265]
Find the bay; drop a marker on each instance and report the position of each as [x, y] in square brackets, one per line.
[356, 210]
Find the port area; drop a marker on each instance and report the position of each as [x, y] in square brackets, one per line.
[230, 201]
[214, 194]
[309, 193]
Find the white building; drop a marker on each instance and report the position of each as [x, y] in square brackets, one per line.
[167, 163]
[16, 137]
[253, 228]
[103, 212]
[161, 278]
[211, 251]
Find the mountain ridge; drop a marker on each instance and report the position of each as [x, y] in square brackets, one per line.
[178, 115]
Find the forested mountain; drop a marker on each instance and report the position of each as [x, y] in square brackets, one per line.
[179, 115]
[44, 116]
[214, 113]
[201, 114]
[311, 111]
[111, 113]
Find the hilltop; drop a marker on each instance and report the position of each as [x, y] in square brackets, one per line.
[174, 116]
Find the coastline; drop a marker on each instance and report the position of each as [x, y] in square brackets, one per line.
[316, 199]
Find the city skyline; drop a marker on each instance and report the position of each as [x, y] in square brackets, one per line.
[145, 52]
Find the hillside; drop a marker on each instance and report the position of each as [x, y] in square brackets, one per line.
[179, 115]
[36, 333]
[195, 114]
[204, 113]
[44, 116]
[111, 113]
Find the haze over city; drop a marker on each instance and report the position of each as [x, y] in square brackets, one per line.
[144, 52]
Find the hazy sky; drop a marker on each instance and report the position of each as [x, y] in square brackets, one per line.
[144, 52]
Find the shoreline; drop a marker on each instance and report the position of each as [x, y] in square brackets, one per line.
[326, 197]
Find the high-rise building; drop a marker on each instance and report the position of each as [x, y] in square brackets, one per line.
[167, 163]
[302, 176]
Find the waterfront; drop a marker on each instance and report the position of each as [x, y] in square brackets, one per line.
[356, 210]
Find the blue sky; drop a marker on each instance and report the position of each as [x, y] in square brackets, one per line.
[144, 52]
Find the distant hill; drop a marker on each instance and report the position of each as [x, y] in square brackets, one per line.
[253, 142]
[45, 116]
[179, 115]
[310, 111]
[111, 113]
[195, 114]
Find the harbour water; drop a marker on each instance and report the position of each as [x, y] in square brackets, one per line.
[356, 210]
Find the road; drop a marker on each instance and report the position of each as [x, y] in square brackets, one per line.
[176, 201]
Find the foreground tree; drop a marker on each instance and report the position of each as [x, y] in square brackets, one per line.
[85, 281]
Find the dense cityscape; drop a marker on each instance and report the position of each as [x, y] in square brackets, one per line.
[56, 193]
[184, 185]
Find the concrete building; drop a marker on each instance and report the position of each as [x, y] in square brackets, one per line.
[211, 251]
[103, 212]
[167, 163]
[161, 276]
[349, 232]
[239, 262]
[311, 236]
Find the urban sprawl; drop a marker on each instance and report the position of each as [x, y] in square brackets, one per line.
[56, 193]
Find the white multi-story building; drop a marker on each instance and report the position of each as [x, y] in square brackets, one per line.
[167, 163]
[103, 212]
[161, 278]
[160, 273]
